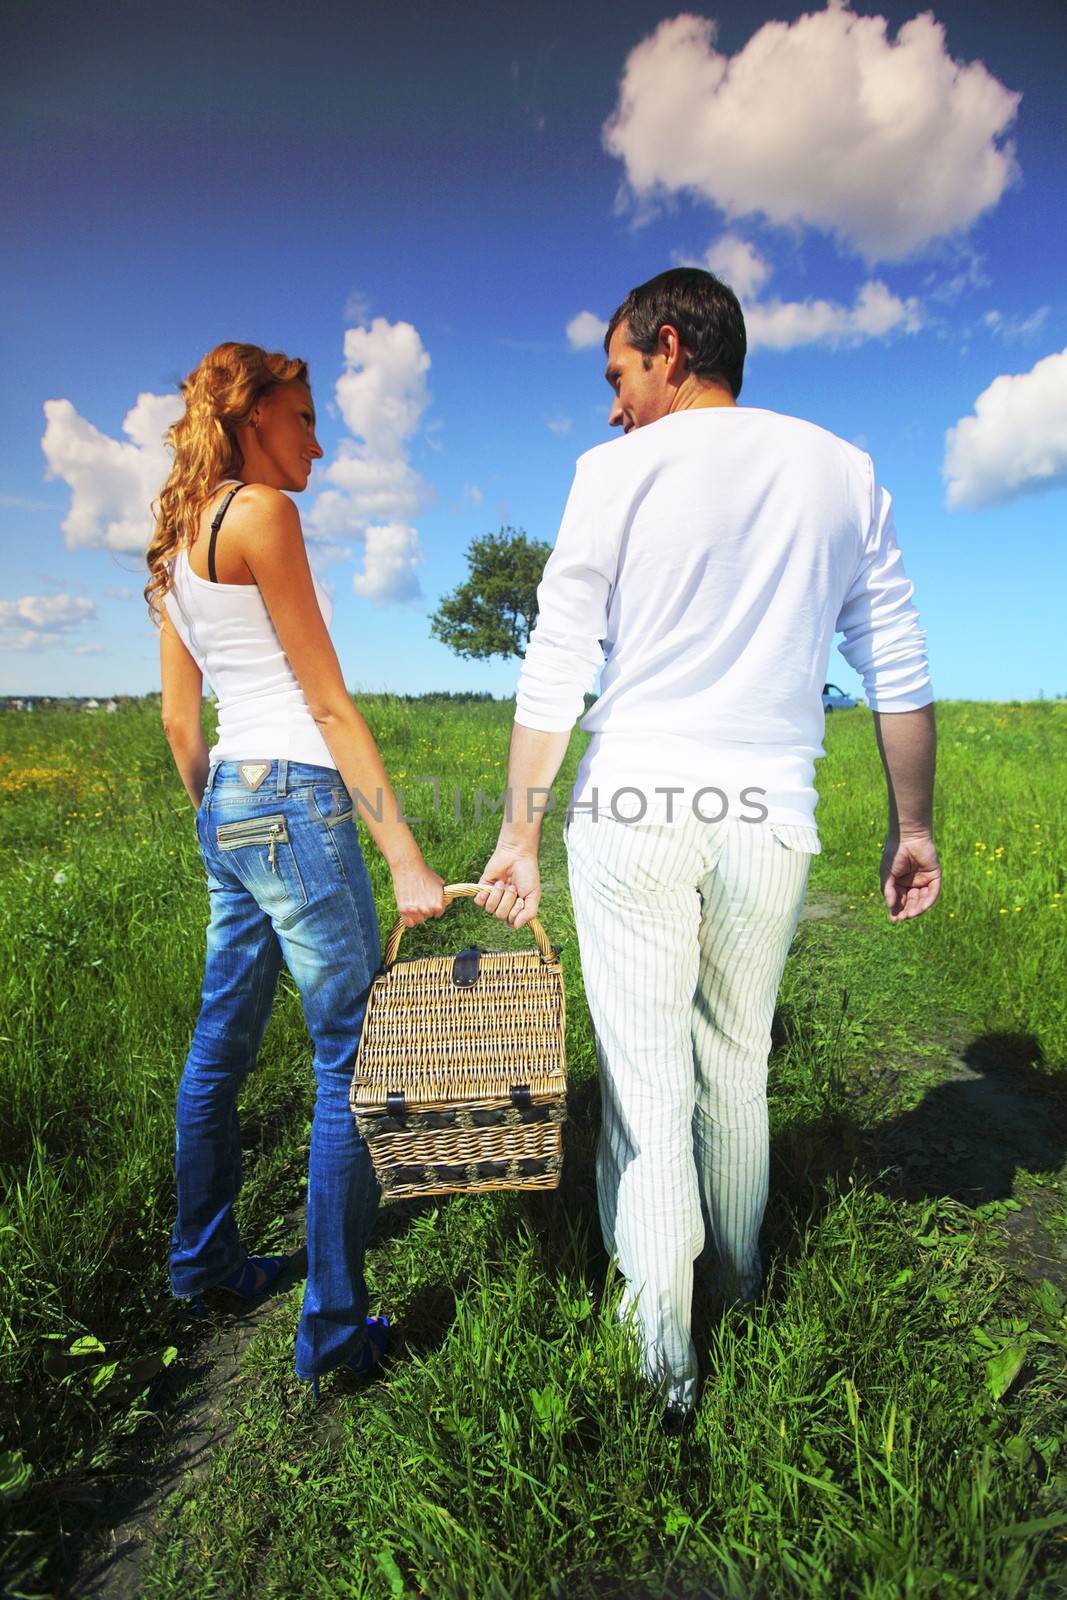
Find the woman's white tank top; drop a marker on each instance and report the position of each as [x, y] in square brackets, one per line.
[227, 629]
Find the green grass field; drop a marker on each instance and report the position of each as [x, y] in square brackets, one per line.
[888, 1421]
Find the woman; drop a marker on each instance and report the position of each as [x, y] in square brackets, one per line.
[277, 834]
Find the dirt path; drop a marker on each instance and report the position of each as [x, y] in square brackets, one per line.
[198, 1425]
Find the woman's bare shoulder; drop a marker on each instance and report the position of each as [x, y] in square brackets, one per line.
[265, 504]
[268, 537]
[265, 527]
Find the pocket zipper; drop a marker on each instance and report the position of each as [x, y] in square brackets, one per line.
[254, 830]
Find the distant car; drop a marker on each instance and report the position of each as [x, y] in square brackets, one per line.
[835, 699]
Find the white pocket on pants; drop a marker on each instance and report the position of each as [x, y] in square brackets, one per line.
[796, 837]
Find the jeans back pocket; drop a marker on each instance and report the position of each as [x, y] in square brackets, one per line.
[264, 861]
[330, 803]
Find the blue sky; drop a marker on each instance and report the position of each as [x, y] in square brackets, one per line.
[438, 184]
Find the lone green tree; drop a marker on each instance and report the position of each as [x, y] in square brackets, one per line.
[493, 612]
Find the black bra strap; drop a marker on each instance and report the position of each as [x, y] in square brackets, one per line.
[220, 513]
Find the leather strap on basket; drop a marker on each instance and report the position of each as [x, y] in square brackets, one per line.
[465, 891]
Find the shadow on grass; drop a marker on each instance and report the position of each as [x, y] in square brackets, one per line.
[972, 1136]
[998, 1112]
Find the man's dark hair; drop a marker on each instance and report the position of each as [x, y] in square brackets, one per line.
[706, 313]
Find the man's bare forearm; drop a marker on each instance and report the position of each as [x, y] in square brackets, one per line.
[533, 762]
[512, 877]
[907, 744]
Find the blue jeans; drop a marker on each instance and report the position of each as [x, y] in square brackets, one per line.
[286, 880]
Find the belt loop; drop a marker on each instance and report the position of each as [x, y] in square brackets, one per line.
[212, 772]
[283, 775]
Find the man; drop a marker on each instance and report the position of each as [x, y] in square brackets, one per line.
[714, 552]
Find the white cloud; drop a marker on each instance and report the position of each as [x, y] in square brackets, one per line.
[327, 554]
[112, 481]
[382, 392]
[390, 565]
[586, 330]
[559, 425]
[374, 490]
[367, 490]
[1016, 440]
[35, 621]
[970, 275]
[357, 307]
[823, 121]
[472, 492]
[738, 263]
[1010, 328]
[785, 324]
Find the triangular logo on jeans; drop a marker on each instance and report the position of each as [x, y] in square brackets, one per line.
[253, 772]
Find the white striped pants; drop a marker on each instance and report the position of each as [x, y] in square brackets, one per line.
[683, 931]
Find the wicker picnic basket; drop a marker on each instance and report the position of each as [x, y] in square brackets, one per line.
[461, 1076]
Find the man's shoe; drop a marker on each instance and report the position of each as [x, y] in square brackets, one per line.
[677, 1420]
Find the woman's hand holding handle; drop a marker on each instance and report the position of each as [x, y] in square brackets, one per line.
[420, 893]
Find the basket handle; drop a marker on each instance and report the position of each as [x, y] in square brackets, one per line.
[464, 891]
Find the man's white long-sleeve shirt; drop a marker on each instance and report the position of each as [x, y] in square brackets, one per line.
[707, 561]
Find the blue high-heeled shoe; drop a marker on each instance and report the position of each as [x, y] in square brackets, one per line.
[370, 1356]
[251, 1281]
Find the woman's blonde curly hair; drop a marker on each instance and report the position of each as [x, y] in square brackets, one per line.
[219, 395]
